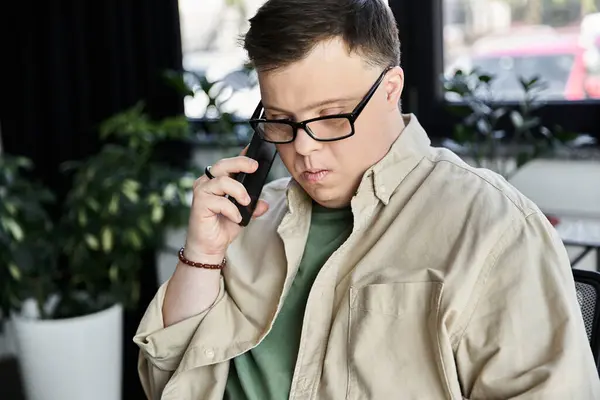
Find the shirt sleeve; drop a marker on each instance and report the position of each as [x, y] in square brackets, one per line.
[161, 349]
[525, 338]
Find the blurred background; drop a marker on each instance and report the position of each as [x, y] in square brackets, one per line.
[111, 109]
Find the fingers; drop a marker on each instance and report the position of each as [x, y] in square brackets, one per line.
[221, 205]
[230, 166]
[226, 186]
[261, 208]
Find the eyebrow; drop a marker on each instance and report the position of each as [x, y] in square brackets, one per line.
[313, 105]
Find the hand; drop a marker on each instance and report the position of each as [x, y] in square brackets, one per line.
[214, 219]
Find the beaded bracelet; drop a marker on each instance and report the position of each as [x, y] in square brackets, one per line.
[200, 265]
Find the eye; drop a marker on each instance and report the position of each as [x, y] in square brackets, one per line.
[280, 117]
[332, 111]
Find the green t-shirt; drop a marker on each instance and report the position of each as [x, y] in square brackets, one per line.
[265, 372]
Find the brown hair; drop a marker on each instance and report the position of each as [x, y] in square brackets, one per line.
[285, 31]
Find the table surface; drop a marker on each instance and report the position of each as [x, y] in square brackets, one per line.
[579, 230]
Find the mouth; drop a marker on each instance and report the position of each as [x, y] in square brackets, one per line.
[315, 175]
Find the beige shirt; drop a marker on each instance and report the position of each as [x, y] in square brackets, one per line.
[452, 285]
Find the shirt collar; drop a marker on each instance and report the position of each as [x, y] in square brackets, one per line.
[405, 154]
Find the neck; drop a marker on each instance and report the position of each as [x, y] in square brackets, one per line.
[395, 127]
[398, 124]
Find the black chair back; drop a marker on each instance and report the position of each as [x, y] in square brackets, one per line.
[587, 284]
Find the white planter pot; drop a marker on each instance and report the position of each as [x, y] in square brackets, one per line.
[72, 358]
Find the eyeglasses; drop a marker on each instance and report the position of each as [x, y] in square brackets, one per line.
[323, 129]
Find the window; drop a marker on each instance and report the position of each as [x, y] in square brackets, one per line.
[557, 40]
[209, 34]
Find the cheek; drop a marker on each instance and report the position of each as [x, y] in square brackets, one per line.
[287, 153]
[364, 148]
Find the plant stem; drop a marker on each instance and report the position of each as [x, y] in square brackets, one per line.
[39, 294]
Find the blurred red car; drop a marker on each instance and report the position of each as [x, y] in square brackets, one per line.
[557, 59]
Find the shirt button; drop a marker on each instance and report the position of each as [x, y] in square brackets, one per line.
[209, 353]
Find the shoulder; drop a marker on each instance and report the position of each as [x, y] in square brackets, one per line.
[474, 207]
[478, 187]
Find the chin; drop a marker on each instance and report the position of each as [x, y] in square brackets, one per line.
[329, 197]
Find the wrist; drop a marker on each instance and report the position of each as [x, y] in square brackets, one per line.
[202, 257]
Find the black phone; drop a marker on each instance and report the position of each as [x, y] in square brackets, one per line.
[264, 153]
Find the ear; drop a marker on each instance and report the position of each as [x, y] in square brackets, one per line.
[394, 86]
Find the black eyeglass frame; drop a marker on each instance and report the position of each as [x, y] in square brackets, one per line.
[351, 117]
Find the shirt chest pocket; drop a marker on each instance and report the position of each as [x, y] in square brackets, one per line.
[392, 342]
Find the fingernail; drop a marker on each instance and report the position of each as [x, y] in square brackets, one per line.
[247, 199]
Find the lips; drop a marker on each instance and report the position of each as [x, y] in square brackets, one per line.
[315, 175]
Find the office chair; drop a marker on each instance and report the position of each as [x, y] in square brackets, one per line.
[587, 284]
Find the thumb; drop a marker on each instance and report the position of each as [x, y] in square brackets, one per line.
[261, 208]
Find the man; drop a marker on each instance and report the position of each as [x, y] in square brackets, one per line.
[383, 269]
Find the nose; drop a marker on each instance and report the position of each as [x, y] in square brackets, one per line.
[304, 144]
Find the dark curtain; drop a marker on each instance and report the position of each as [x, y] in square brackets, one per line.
[68, 65]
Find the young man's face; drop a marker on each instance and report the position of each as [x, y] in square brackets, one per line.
[330, 172]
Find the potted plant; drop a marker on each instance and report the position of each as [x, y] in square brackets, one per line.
[173, 182]
[27, 267]
[120, 203]
[28, 273]
[497, 135]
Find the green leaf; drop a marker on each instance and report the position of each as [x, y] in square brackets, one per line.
[132, 196]
[531, 123]
[533, 81]
[82, 218]
[145, 227]
[14, 271]
[107, 239]
[130, 189]
[486, 78]
[93, 204]
[92, 241]
[10, 207]
[499, 113]
[134, 238]
[24, 162]
[14, 228]
[158, 213]
[113, 272]
[484, 127]
[170, 192]
[131, 184]
[563, 135]
[517, 119]
[154, 199]
[187, 182]
[462, 134]
[113, 206]
[176, 81]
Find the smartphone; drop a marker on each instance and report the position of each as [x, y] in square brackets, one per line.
[265, 154]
